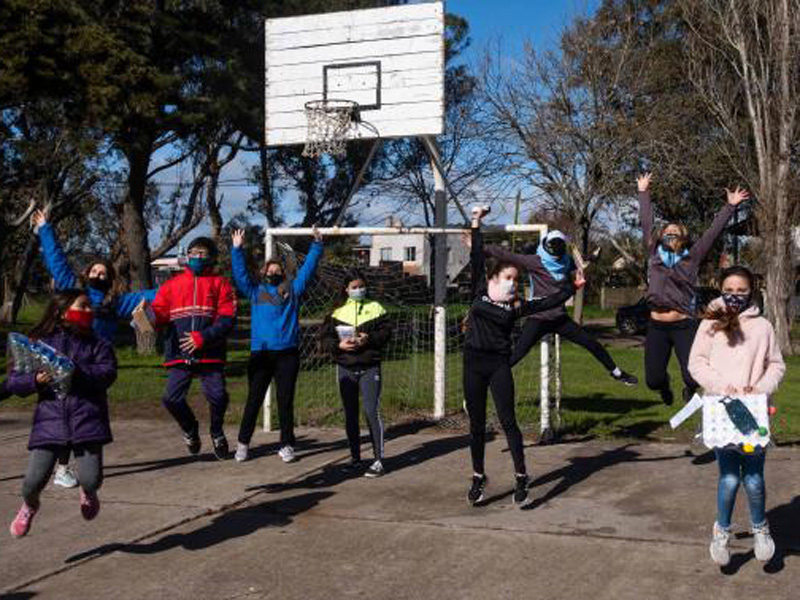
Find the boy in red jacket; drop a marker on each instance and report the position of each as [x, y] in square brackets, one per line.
[198, 308]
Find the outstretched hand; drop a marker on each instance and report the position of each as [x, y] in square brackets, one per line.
[39, 218]
[237, 238]
[643, 181]
[317, 235]
[580, 280]
[737, 196]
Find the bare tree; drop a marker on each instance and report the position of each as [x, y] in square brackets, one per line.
[744, 58]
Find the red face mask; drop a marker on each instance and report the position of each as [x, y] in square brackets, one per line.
[82, 319]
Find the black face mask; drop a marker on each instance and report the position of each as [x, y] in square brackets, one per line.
[101, 285]
[274, 279]
[737, 303]
[667, 239]
[556, 247]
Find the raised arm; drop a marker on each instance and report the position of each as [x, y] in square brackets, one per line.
[241, 276]
[529, 262]
[702, 246]
[128, 301]
[645, 209]
[552, 301]
[54, 258]
[306, 272]
[477, 262]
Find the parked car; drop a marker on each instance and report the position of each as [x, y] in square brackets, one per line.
[633, 319]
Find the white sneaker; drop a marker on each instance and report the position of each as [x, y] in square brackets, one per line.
[764, 546]
[375, 470]
[241, 452]
[719, 546]
[287, 454]
[65, 477]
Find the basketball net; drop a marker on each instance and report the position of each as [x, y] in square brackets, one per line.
[329, 122]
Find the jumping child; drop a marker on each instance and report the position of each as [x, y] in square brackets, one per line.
[355, 335]
[735, 352]
[77, 422]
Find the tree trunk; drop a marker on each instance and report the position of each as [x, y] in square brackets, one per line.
[779, 274]
[583, 244]
[21, 276]
[134, 227]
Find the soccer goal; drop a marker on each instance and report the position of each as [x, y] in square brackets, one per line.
[422, 365]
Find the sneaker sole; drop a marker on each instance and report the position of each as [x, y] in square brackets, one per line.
[373, 475]
[65, 485]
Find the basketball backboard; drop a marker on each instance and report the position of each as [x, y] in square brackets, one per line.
[390, 60]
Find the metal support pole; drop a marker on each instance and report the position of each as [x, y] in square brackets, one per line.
[439, 285]
[557, 376]
[269, 252]
[438, 167]
[544, 387]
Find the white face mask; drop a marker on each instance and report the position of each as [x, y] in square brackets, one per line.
[508, 287]
[357, 293]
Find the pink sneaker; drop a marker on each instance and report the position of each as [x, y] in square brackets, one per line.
[21, 524]
[90, 505]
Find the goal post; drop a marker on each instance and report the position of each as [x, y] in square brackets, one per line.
[549, 374]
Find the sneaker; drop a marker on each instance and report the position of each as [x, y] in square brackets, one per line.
[375, 470]
[221, 449]
[764, 546]
[353, 466]
[65, 477]
[667, 397]
[192, 441]
[21, 524]
[719, 546]
[626, 378]
[475, 494]
[287, 454]
[90, 505]
[242, 451]
[520, 497]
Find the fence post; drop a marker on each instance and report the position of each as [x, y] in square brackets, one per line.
[439, 287]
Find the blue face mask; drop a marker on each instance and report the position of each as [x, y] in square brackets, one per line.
[357, 293]
[198, 264]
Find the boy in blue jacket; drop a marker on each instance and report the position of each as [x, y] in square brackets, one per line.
[275, 324]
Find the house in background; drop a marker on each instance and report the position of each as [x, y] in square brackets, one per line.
[414, 250]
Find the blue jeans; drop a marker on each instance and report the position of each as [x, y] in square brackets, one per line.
[735, 467]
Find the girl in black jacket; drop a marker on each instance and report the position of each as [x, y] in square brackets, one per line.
[487, 351]
[355, 335]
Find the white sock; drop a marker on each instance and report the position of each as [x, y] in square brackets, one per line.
[616, 372]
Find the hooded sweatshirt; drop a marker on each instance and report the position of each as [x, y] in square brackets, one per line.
[754, 361]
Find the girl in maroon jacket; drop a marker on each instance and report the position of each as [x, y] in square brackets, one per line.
[672, 269]
[76, 421]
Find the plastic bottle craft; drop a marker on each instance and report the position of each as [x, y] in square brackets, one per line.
[30, 356]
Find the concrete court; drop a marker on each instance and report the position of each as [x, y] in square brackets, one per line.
[611, 520]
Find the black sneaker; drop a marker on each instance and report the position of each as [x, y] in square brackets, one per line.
[475, 494]
[192, 441]
[353, 466]
[667, 397]
[221, 450]
[521, 491]
[626, 378]
[375, 470]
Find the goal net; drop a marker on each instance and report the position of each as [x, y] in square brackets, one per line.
[397, 266]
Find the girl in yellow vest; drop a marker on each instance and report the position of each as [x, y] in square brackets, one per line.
[355, 335]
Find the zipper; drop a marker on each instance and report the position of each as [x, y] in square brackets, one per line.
[194, 309]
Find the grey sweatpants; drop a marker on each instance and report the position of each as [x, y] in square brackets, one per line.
[368, 382]
[89, 459]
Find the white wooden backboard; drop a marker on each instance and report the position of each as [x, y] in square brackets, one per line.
[390, 60]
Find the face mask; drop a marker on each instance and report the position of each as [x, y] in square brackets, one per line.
[736, 303]
[668, 238]
[274, 279]
[198, 264]
[101, 285]
[357, 293]
[556, 247]
[82, 319]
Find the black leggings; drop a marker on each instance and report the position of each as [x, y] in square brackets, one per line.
[284, 366]
[661, 339]
[482, 372]
[535, 329]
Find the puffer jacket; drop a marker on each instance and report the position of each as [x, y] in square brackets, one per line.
[365, 316]
[201, 305]
[82, 415]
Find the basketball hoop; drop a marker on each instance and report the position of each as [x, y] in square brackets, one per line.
[329, 122]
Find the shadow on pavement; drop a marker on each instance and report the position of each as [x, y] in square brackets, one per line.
[18, 596]
[225, 526]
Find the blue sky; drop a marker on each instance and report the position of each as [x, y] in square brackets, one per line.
[511, 21]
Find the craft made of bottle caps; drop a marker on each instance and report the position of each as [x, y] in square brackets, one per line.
[31, 356]
[740, 421]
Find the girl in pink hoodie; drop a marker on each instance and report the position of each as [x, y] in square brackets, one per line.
[735, 353]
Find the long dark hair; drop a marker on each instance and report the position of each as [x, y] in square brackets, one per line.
[114, 290]
[726, 320]
[54, 313]
[284, 288]
[495, 267]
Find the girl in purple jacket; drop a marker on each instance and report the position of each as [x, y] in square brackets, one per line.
[77, 421]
